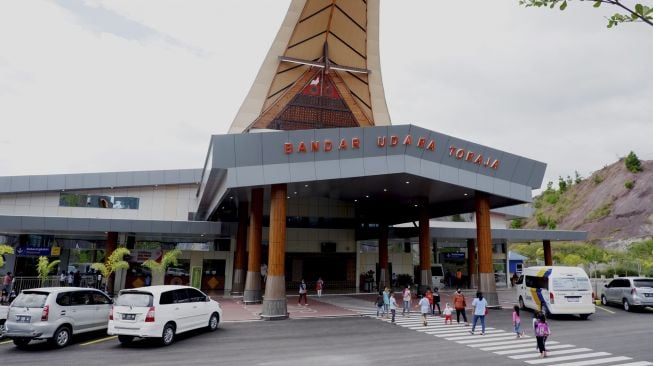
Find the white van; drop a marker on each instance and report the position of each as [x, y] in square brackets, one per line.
[556, 290]
[437, 275]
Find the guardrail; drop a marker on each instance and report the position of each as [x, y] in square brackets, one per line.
[27, 282]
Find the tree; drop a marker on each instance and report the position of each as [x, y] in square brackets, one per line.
[4, 249]
[169, 258]
[44, 267]
[113, 263]
[562, 184]
[627, 13]
[632, 163]
[578, 179]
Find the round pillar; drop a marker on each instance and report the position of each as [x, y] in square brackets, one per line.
[383, 256]
[424, 246]
[252, 293]
[238, 285]
[274, 302]
[487, 284]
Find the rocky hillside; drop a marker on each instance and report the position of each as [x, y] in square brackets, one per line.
[613, 205]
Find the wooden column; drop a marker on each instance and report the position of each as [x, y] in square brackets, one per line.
[471, 263]
[274, 301]
[486, 284]
[112, 243]
[252, 293]
[238, 285]
[548, 255]
[424, 246]
[384, 279]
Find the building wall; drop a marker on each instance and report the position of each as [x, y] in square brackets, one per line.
[155, 203]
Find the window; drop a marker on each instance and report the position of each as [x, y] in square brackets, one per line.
[537, 282]
[63, 299]
[648, 282]
[80, 298]
[137, 299]
[520, 280]
[166, 298]
[195, 296]
[181, 296]
[99, 298]
[30, 300]
[570, 283]
[97, 201]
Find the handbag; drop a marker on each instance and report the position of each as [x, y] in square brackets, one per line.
[486, 311]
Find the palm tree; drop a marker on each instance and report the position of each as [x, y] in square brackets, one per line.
[113, 263]
[169, 258]
[44, 267]
[5, 249]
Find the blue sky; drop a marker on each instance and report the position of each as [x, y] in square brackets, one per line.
[128, 85]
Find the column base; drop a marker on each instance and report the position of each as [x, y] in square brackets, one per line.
[488, 287]
[425, 276]
[239, 283]
[252, 293]
[274, 310]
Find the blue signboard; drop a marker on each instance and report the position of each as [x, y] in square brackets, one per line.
[454, 255]
[32, 251]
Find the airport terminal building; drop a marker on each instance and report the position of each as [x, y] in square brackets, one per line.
[311, 181]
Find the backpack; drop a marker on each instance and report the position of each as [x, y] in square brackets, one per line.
[542, 330]
[379, 301]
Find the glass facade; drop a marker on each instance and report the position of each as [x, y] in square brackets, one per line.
[97, 201]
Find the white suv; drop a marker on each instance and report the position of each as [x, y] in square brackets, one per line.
[161, 312]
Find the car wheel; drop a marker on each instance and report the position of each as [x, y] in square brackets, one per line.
[61, 337]
[168, 335]
[584, 316]
[521, 303]
[627, 306]
[21, 343]
[125, 339]
[604, 300]
[214, 320]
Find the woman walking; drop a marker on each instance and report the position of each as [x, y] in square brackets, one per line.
[480, 310]
[459, 304]
[542, 332]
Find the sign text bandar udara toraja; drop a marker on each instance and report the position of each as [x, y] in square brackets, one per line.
[391, 141]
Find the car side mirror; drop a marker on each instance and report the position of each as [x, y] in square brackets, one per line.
[605, 285]
[207, 299]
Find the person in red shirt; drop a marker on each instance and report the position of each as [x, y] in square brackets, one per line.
[429, 296]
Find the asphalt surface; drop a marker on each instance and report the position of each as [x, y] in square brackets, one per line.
[358, 340]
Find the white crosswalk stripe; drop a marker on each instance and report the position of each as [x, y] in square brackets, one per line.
[501, 342]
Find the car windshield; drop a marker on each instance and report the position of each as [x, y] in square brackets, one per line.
[30, 300]
[648, 282]
[436, 271]
[137, 299]
[570, 283]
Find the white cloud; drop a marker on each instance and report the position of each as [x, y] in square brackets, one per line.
[125, 85]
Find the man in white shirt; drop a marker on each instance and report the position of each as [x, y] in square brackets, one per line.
[480, 307]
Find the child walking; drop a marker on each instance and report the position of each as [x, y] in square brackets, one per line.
[542, 332]
[448, 310]
[379, 304]
[516, 322]
[393, 305]
[425, 308]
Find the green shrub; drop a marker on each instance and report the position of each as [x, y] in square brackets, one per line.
[601, 211]
[551, 224]
[542, 220]
[632, 163]
[629, 184]
[597, 179]
[517, 223]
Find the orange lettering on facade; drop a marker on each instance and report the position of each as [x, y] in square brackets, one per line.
[460, 153]
[287, 148]
[473, 158]
[302, 147]
[343, 144]
[394, 140]
[355, 143]
[315, 146]
[408, 140]
[421, 142]
[431, 145]
[380, 141]
[328, 145]
[470, 156]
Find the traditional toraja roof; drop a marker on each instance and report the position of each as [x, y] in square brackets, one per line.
[322, 70]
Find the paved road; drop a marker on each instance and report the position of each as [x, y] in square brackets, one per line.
[611, 337]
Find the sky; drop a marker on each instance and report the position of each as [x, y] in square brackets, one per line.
[98, 86]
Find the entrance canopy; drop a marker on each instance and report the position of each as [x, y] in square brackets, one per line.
[386, 172]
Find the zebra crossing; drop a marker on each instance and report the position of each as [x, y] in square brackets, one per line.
[504, 343]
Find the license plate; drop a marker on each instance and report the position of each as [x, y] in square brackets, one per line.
[573, 299]
[23, 318]
[648, 295]
[128, 316]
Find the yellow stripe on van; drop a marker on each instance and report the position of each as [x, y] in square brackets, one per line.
[536, 299]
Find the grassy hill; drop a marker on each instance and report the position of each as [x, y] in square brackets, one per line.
[614, 205]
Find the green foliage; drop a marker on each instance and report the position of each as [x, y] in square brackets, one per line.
[641, 12]
[517, 223]
[551, 224]
[597, 179]
[578, 179]
[457, 218]
[629, 184]
[169, 258]
[601, 211]
[632, 163]
[44, 267]
[562, 184]
[541, 220]
[5, 249]
[113, 263]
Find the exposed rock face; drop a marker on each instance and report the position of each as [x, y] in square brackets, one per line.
[602, 205]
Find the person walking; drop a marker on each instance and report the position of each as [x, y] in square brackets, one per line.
[319, 285]
[406, 297]
[542, 332]
[448, 311]
[77, 279]
[459, 304]
[386, 301]
[516, 322]
[459, 277]
[62, 279]
[393, 305]
[429, 296]
[69, 279]
[379, 304]
[436, 302]
[425, 308]
[302, 293]
[6, 282]
[480, 311]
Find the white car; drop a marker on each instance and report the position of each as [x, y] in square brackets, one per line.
[162, 312]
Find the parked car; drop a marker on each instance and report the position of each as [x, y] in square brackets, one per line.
[56, 314]
[629, 292]
[162, 312]
[3, 317]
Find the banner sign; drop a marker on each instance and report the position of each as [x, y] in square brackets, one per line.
[36, 252]
[454, 255]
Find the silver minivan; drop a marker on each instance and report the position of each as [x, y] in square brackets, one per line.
[629, 292]
[55, 314]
